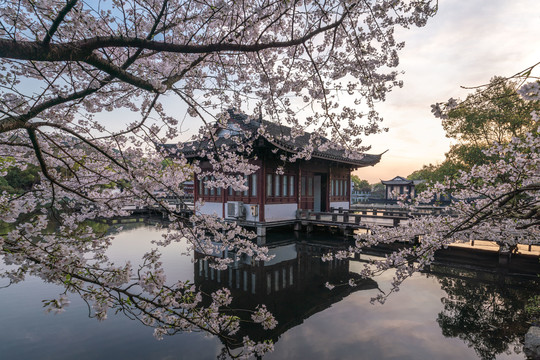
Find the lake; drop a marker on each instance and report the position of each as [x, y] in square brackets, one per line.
[446, 313]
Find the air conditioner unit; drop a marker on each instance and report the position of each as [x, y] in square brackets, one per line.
[235, 209]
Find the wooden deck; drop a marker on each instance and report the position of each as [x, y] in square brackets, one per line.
[532, 250]
[364, 216]
[183, 208]
[347, 220]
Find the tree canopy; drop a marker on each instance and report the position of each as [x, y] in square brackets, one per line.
[360, 184]
[492, 114]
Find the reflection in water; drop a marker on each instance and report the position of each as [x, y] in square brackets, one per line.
[291, 285]
[487, 315]
[481, 314]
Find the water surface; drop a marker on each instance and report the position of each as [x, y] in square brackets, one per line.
[445, 314]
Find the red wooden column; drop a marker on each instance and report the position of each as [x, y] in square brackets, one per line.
[224, 195]
[348, 188]
[261, 194]
[195, 189]
[299, 186]
[328, 186]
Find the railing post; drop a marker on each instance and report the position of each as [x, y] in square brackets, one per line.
[346, 217]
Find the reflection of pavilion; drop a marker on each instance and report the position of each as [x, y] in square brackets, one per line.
[291, 285]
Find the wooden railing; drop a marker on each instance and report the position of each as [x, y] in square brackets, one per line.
[348, 218]
[421, 210]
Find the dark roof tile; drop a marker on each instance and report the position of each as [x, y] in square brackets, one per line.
[279, 136]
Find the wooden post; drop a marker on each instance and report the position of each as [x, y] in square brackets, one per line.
[504, 257]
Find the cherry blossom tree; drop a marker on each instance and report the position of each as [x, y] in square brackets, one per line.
[310, 65]
[497, 201]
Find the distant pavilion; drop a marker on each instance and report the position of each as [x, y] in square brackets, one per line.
[400, 186]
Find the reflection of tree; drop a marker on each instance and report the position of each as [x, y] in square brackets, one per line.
[487, 316]
[292, 286]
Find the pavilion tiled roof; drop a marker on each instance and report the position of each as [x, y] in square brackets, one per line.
[398, 180]
[279, 136]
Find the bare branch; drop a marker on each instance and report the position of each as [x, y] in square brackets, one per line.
[61, 15]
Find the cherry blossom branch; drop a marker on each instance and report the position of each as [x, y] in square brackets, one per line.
[44, 167]
[82, 50]
[58, 20]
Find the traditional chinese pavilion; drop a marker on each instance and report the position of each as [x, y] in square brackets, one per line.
[399, 186]
[319, 184]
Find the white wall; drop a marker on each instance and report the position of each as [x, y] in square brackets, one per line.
[338, 204]
[210, 208]
[272, 212]
[276, 212]
[215, 208]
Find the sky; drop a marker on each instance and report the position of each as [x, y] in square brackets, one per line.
[465, 44]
